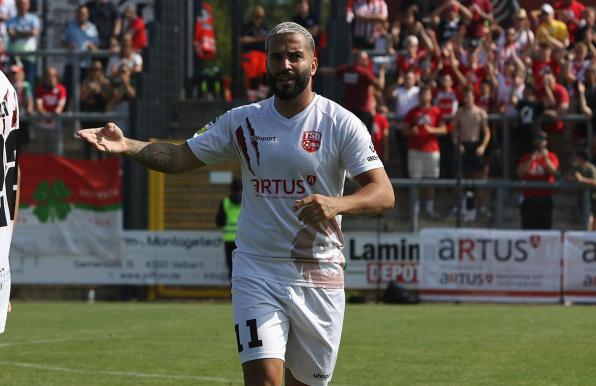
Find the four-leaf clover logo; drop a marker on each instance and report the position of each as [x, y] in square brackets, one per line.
[50, 200]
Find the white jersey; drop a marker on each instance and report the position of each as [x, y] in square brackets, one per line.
[9, 117]
[283, 160]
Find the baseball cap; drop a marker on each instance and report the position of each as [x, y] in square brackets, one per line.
[548, 9]
[521, 14]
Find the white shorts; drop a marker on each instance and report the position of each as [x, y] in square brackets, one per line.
[423, 164]
[299, 325]
[4, 296]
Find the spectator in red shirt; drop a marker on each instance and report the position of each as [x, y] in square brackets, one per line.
[556, 102]
[481, 17]
[380, 133]
[570, 12]
[538, 165]
[134, 25]
[543, 64]
[357, 79]
[50, 99]
[423, 124]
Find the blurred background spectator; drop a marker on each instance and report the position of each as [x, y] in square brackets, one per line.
[23, 32]
[105, 16]
[254, 56]
[50, 100]
[126, 57]
[16, 75]
[81, 35]
[133, 25]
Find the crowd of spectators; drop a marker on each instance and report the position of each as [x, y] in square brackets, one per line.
[105, 78]
[446, 73]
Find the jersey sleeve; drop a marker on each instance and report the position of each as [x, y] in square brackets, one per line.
[213, 143]
[357, 152]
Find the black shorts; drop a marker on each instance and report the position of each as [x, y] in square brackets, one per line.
[471, 162]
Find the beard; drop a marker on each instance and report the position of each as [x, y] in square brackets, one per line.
[288, 93]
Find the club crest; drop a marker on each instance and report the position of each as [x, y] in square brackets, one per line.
[311, 141]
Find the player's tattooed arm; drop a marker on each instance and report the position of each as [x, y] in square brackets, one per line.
[163, 157]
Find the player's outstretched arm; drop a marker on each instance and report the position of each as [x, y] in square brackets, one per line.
[162, 157]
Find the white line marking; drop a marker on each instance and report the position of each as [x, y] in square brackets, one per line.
[134, 374]
[46, 341]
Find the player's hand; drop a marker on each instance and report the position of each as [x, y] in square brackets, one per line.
[316, 208]
[9, 307]
[109, 138]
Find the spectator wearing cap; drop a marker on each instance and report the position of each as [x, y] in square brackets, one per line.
[367, 13]
[539, 164]
[423, 125]
[584, 172]
[551, 31]
[570, 13]
[524, 36]
[23, 30]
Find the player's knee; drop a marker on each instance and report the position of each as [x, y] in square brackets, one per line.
[263, 372]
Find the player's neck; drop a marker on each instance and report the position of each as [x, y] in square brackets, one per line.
[292, 107]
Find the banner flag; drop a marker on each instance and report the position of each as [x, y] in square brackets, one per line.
[69, 207]
[490, 265]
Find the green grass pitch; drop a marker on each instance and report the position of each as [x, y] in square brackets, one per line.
[194, 344]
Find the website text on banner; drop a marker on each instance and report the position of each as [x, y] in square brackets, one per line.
[579, 279]
[490, 265]
[69, 207]
[165, 257]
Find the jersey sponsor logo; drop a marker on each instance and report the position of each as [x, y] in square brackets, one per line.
[278, 186]
[263, 138]
[311, 141]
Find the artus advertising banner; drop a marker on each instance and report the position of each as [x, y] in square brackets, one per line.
[490, 265]
[579, 279]
[69, 208]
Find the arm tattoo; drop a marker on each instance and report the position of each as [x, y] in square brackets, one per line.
[162, 157]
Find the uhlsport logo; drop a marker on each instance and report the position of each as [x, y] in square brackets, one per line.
[311, 141]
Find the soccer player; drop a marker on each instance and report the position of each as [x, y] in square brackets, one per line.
[295, 149]
[9, 176]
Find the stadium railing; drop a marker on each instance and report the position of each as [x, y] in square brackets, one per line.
[75, 114]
